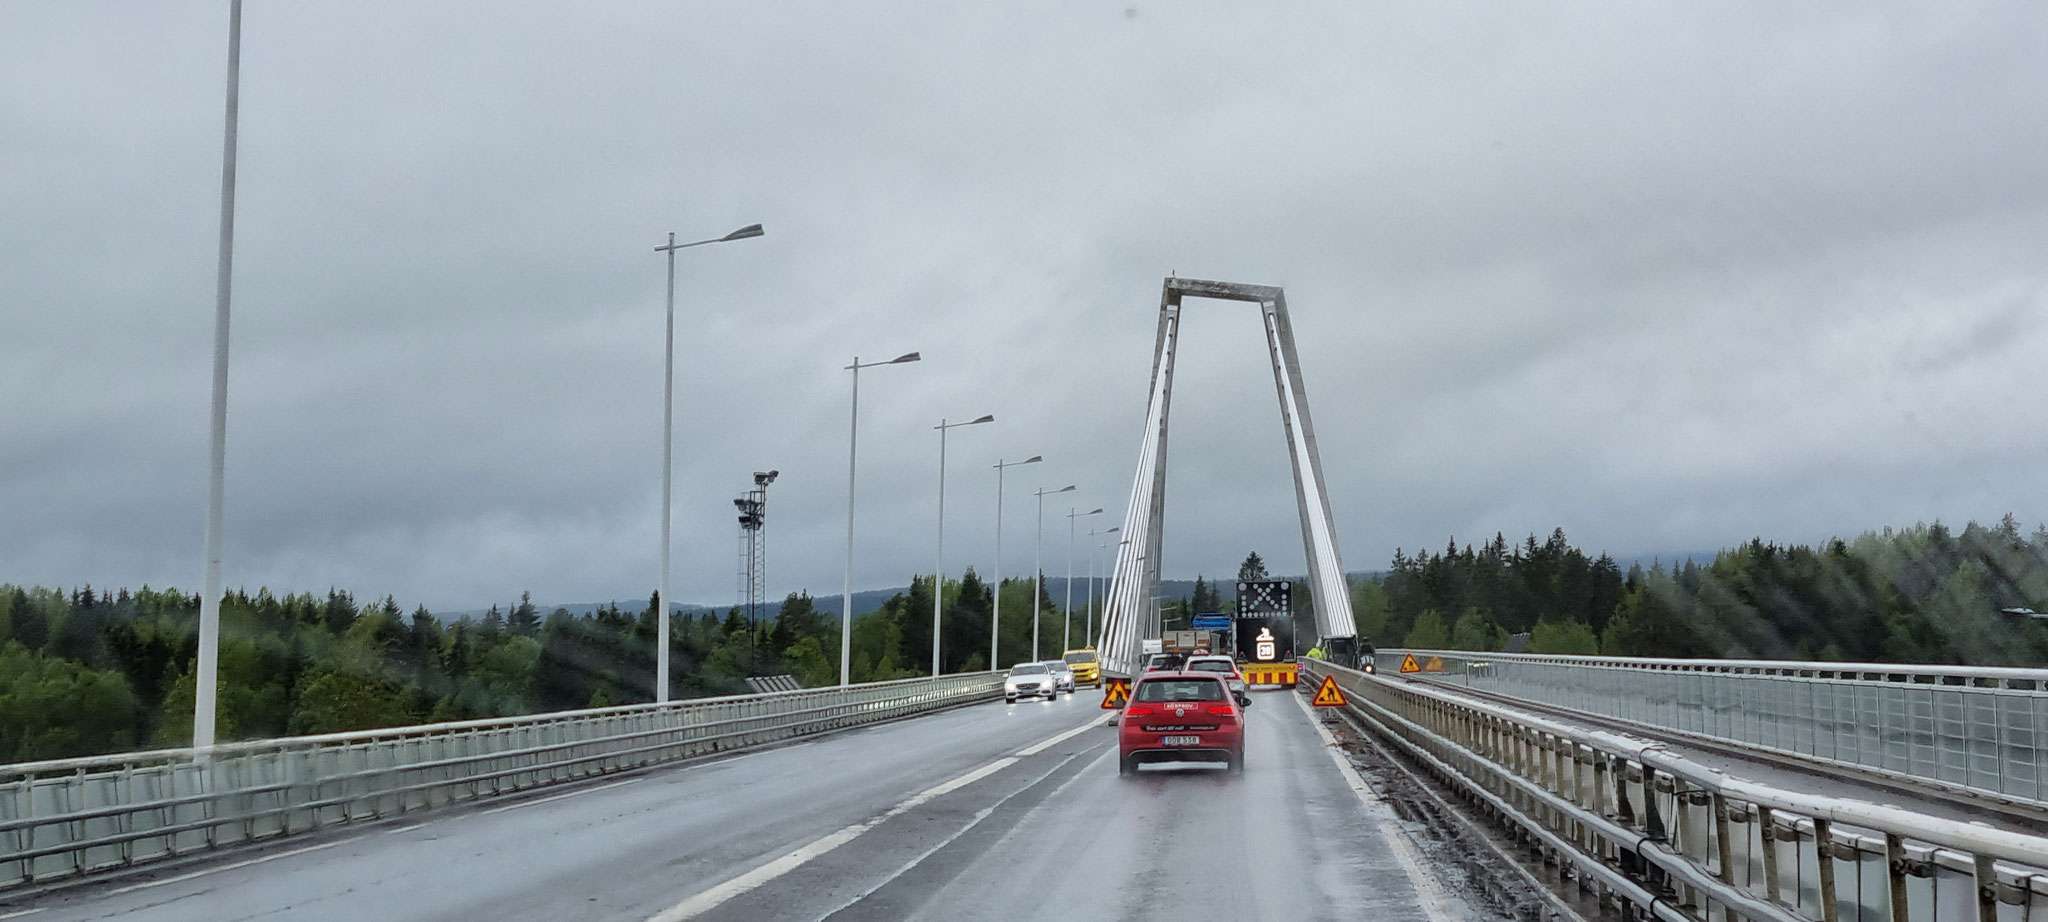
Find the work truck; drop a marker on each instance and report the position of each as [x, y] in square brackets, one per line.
[1263, 631]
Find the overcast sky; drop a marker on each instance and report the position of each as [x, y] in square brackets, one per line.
[1664, 275]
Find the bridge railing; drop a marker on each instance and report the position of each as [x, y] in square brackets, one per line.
[1636, 823]
[1980, 730]
[69, 817]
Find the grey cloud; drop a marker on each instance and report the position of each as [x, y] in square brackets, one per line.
[1666, 278]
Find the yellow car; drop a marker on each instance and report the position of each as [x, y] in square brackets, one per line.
[1087, 669]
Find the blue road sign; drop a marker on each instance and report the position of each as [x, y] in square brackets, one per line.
[1212, 622]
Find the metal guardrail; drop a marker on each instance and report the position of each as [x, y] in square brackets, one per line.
[71, 817]
[1674, 840]
[1982, 730]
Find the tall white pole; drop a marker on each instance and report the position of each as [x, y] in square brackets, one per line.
[668, 441]
[939, 567]
[995, 616]
[1088, 618]
[1037, 567]
[846, 593]
[203, 708]
[1067, 612]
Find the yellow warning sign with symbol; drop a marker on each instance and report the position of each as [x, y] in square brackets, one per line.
[1435, 664]
[1328, 695]
[1408, 663]
[1115, 693]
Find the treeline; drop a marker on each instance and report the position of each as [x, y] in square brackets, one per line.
[87, 672]
[1924, 594]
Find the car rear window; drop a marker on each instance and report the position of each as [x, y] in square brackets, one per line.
[1179, 690]
[1210, 666]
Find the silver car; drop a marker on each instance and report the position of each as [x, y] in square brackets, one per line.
[1062, 675]
[1029, 680]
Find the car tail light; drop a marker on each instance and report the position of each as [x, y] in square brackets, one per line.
[1223, 709]
[1139, 710]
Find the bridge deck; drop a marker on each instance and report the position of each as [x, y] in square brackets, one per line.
[942, 817]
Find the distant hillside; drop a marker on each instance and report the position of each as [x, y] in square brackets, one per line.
[867, 600]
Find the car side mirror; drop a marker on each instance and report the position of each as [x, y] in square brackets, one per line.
[1244, 700]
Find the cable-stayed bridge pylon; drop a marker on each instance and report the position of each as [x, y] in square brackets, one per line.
[1132, 610]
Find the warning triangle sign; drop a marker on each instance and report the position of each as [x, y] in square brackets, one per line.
[1408, 663]
[1115, 693]
[1328, 695]
[1435, 664]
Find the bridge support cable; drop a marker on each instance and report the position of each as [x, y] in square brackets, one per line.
[1131, 607]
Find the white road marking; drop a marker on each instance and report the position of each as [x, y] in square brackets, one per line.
[393, 832]
[1428, 890]
[23, 912]
[542, 800]
[979, 815]
[1037, 748]
[228, 867]
[717, 896]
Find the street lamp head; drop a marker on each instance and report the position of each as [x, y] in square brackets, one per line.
[764, 478]
[1034, 459]
[986, 419]
[905, 357]
[751, 230]
[1114, 529]
[1098, 511]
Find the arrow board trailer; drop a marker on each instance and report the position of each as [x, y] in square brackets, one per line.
[1264, 632]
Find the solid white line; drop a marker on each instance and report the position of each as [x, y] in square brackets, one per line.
[719, 895]
[24, 912]
[542, 800]
[979, 815]
[1037, 748]
[228, 867]
[722, 893]
[1428, 890]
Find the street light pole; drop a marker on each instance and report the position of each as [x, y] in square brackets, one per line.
[203, 709]
[995, 615]
[846, 594]
[1094, 641]
[668, 417]
[1038, 563]
[939, 570]
[1067, 619]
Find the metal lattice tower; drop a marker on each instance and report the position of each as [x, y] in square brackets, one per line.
[753, 556]
[1132, 607]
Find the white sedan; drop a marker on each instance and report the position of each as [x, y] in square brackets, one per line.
[1029, 680]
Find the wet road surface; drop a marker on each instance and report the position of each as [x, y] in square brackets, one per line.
[987, 812]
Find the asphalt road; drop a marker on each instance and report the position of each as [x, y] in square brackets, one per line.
[988, 812]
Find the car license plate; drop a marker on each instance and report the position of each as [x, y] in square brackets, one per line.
[1180, 740]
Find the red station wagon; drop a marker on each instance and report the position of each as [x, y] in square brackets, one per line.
[1180, 717]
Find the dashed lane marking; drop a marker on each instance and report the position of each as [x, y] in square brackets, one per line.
[979, 815]
[1043, 745]
[723, 893]
[22, 912]
[543, 800]
[1428, 890]
[227, 867]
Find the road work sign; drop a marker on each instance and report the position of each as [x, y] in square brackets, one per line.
[1408, 663]
[1115, 693]
[1435, 664]
[1328, 695]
